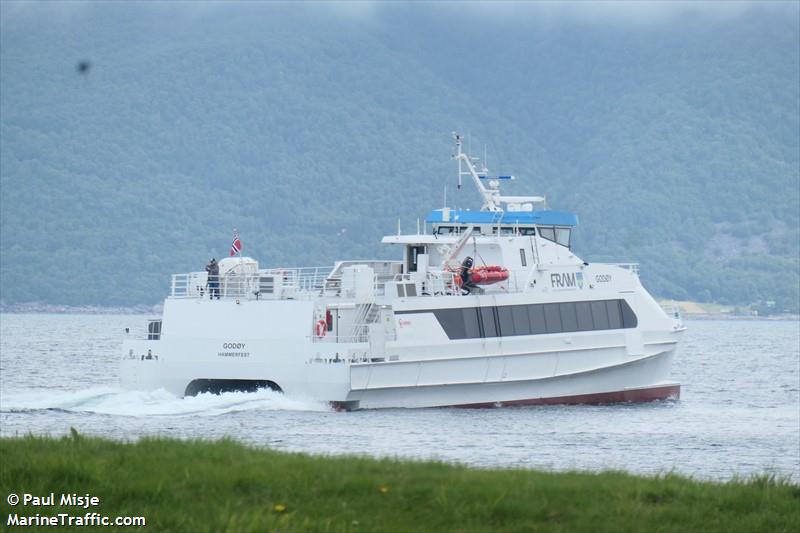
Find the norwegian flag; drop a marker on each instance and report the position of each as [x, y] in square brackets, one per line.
[236, 245]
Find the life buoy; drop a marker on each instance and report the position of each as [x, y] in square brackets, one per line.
[322, 328]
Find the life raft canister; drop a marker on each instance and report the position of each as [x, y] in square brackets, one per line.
[486, 275]
[321, 328]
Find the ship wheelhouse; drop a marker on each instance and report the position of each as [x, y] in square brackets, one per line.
[555, 226]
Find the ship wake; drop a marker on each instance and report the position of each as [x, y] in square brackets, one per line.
[120, 402]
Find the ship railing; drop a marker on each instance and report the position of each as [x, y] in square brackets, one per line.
[673, 311]
[350, 338]
[633, 267]
[273, 283]
[435, 283]
[307, 282]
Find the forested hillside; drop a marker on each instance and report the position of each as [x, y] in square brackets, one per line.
[312, 128]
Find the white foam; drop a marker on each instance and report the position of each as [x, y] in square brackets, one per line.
[115, 401]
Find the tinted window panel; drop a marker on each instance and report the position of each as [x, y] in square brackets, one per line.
[569, 322]
[473, 330]
[629, 319]
[452, 321]
[599, 315]
[614, 315]
[584, 311]
[552, 317]
[536, 315]
[506, 319]
[547, 233]
[562, 236]
[487, 320]
[521, 324]
[411, 289]
[533, 319]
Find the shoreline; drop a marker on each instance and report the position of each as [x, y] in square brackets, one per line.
[157, 309]
[54, 309]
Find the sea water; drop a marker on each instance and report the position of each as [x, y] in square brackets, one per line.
[739, 412]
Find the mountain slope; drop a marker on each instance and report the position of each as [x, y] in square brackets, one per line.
[313, 129]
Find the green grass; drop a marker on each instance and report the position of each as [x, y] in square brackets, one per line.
[226, 486]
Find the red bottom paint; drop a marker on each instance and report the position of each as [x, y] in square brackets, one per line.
[649, 394]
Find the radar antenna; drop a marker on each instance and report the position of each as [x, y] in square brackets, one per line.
[492, 199]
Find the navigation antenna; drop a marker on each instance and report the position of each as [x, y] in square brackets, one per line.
[491, 195]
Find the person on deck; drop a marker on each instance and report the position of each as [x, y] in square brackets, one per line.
[213, 279]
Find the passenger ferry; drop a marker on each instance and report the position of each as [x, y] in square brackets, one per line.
[486, 308]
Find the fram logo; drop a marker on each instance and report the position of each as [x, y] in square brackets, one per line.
[566, 280]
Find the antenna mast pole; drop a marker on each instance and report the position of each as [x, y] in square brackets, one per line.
[458, 156]
[490, 202]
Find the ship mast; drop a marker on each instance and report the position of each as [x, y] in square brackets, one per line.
[492, 199]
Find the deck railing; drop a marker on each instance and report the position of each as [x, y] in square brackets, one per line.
[310, 282]
[268, 283]
[633, 267]
[299, 283]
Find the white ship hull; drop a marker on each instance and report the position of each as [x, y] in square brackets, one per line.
[266, 343]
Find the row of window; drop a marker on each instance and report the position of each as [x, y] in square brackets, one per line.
[476, 230]
[534, 319]
[551, 233]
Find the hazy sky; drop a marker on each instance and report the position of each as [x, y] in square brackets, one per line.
[631, 11]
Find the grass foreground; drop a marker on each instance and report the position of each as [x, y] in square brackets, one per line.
[226, 486]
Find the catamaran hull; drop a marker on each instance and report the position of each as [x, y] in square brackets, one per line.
[642, 380]
[402, 384]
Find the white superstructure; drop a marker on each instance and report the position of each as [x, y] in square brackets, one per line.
[529, 322]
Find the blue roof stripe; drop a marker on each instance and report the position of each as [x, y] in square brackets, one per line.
[555, 218]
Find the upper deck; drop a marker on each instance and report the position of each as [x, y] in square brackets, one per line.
[446, 216]
[507, 233]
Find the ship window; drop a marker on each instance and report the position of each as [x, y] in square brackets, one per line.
[444, 230]
[452, 322]
[569, 320]
[552, 317]
[471, 324]
[548, 233]
[154, 330]
[584, 311]
[628, 316]
[401, 290]
[519, 315]
[599, 315]
[505, 318]
[487, 321]
[522, 258]
[515, 320]
[614, 315]
[413, 252]
[536, 313]
[527, 231]
[411, 289]
[562, 236]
